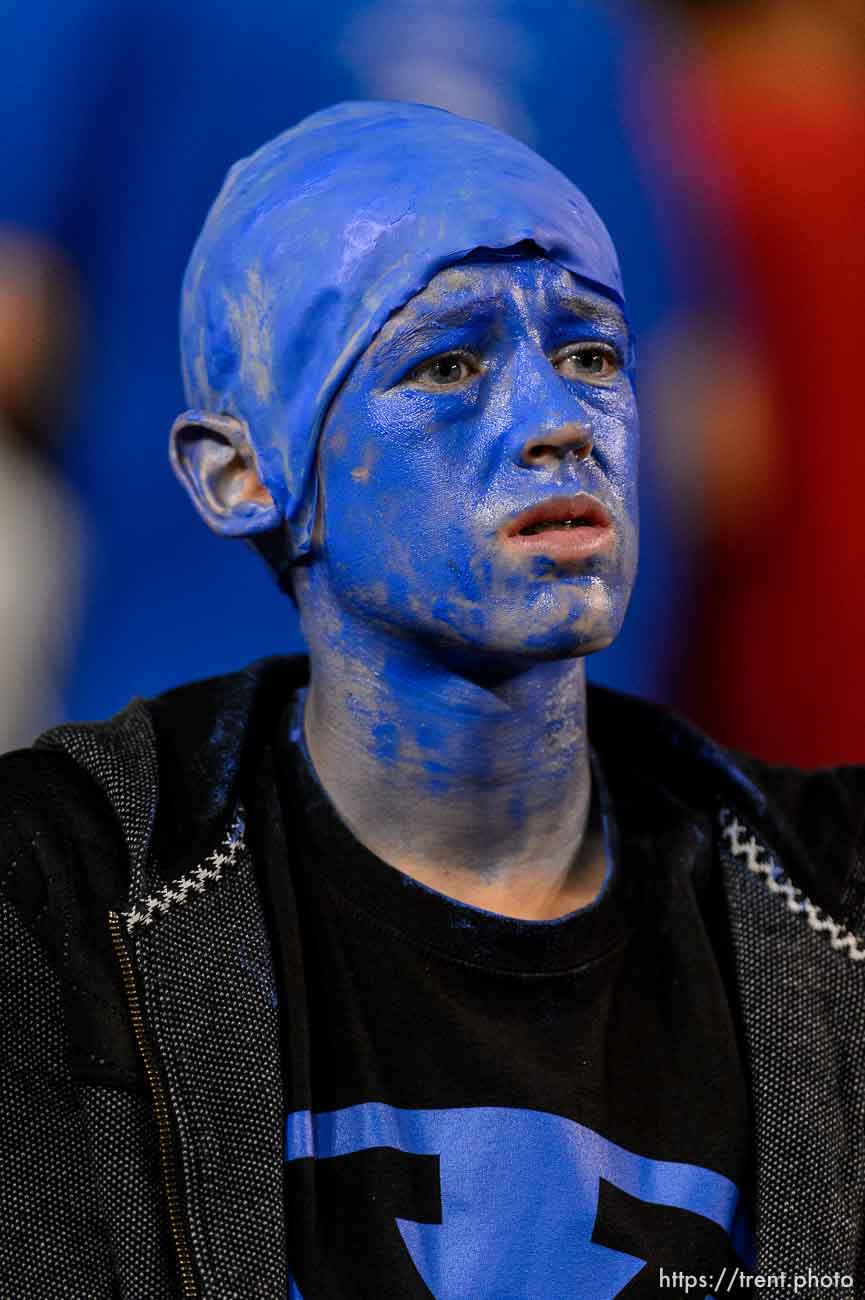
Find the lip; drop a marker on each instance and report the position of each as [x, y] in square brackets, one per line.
[594, 533]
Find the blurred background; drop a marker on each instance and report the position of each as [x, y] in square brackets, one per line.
[723, 145]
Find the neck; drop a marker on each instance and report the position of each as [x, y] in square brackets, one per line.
[479, 786]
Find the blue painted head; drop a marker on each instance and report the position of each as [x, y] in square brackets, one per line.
[401, 331]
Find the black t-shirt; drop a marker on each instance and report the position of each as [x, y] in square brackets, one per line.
[484, 1108]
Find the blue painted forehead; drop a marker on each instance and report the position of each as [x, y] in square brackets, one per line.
[319, 236]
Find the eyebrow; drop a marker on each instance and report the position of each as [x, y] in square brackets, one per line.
[477, 311]
[482, 311]
[600, 313]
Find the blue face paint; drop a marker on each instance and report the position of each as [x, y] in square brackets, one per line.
[451, 426]
[418, 325]
[327, 230]
[503, 388]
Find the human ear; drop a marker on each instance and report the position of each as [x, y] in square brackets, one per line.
[214, 459]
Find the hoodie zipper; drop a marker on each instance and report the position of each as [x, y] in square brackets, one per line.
[161, 1111]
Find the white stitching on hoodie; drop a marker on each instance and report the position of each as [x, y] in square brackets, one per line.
[148, 910]
[745, 845]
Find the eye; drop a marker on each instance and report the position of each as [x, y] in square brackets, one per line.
[447, 371]
[588, 361]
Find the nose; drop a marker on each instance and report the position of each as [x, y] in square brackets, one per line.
[553, 445]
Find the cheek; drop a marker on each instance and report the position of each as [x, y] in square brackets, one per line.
[397, 466]
[391, 516]
[617, 446]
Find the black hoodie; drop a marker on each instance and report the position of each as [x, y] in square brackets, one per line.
[142, 1088]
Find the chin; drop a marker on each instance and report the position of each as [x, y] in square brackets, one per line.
[569, 647]
[572, 620]
[514, 637]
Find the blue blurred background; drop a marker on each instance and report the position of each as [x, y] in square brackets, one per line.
[120, 120]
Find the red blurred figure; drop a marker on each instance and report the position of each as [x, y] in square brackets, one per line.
[770, 142]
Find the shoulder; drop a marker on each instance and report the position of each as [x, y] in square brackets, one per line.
[56, 825]
[811, 820]
[821, 813]
[85, 801]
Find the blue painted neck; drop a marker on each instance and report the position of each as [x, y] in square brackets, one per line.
[479, 788]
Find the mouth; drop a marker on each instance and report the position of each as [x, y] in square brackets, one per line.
[561, 527]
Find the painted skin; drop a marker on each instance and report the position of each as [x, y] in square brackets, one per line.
[446, 715]
[317, 239]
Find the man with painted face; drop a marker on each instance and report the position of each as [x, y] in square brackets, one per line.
[414, 968]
